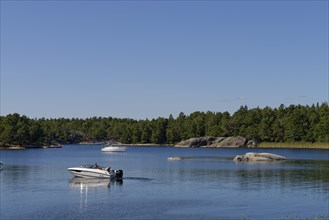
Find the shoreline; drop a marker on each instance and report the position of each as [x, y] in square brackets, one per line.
[12, 148]
[144, 145]
[262, 145]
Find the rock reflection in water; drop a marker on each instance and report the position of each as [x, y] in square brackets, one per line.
[291, 175]
[288, 175]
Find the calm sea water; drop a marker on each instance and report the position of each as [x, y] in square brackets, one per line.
[206, 184]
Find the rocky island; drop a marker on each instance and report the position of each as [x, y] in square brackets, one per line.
[258, 157]
[210, 141]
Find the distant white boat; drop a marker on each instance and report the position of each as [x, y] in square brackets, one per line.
[175, 158]
[55, 146]
[110, 148]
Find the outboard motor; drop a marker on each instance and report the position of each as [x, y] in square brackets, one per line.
[118, 174]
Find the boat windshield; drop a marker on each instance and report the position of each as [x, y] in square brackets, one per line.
[91, 166]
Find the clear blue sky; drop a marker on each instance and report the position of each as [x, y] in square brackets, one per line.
[149, 59]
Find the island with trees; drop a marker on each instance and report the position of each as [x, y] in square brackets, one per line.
[282, 126]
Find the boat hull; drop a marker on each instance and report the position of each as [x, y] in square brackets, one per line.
[113, 149]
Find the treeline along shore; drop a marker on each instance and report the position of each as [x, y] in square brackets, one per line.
[283, 126]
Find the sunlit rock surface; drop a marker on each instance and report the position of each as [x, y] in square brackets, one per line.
[210, 141]
[253, 157]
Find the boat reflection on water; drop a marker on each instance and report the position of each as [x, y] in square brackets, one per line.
[85, 183]
[89, 186]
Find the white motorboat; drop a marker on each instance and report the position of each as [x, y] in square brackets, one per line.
[92, 171]
[110, 148]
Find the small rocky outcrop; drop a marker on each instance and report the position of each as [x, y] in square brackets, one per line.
[195, 142]
[232, 142]
[252, 143]
[210, 141]
[255, 157]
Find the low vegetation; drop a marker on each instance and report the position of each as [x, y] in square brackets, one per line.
[303, 145]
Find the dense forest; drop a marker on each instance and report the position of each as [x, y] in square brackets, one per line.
[294, 123]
